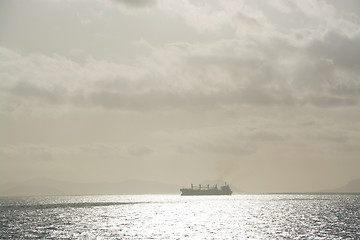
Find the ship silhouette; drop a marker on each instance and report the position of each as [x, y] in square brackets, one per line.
[207, 190]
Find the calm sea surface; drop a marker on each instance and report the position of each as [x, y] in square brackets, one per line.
[176, 217]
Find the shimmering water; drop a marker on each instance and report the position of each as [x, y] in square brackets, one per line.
[176, 217]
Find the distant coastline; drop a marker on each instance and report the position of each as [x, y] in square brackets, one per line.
[307, 193]
[51, 187]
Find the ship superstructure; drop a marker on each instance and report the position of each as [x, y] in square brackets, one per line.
[206, 190]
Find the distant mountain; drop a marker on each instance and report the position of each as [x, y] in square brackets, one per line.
[48, 186]
[45, 186]
[351, 187]
[26, 190]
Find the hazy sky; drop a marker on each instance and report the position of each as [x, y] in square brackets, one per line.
[264, 94]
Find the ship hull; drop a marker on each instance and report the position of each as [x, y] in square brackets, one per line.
[196, 192]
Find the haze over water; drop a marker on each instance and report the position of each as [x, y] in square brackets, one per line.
[176, 217]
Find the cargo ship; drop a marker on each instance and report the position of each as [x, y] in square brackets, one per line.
[206, 190]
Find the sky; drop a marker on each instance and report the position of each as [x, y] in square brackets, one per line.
[262, 94]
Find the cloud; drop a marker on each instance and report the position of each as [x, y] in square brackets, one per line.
[28, 153]
[271, 68]
[137, 3]
[249, 20]
[139, 151]
[297, 67]
[208, 76]
[28, 90]
[44, 152]
[228, 148]
[347, 6]
[330, 101]
[342, 50]
[266, 136]
[185, 150]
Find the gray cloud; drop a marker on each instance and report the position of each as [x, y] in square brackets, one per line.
[227, 72]
[160, 100]
[29, 153]
[249, 20]
[166, 99]
[139, 150]
[334, 137]
[347, 6]
[344, 90]
[28, 90]
[343, 50]
[330, 101]
[137, 3]
[266, 136]
[228, 148]
[185, 150]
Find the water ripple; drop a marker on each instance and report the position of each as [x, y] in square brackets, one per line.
[175, 217]
[65, 205]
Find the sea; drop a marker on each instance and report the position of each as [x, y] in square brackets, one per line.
[266, 216]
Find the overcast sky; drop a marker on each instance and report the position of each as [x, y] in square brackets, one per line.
[263, 94]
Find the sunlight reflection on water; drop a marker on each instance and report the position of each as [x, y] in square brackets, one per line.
[176, 217]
